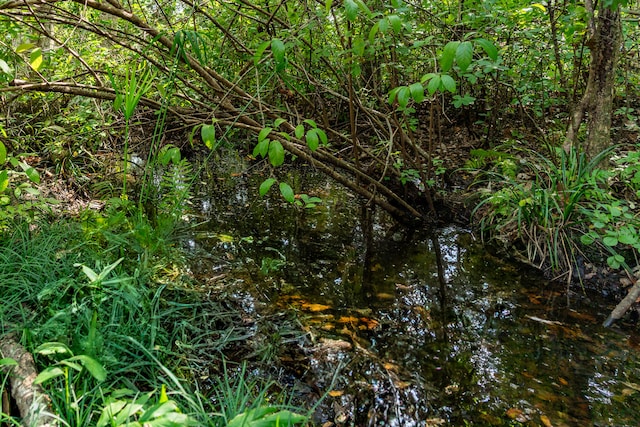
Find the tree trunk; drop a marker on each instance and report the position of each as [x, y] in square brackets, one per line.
[597, 101]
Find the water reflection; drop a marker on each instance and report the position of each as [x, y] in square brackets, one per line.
[427, 327]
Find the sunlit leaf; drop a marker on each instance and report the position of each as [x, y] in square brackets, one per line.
[276, 153]
[539, 6]
[299, 131]
[48, 374]
[448, 55]
[35, 59]
[24, 47]
[7, 361]
[94, 367]
[3, 153]
[323, 136]
[4, 67]
[315, 307]
[287, 192]
[464, 55]
[311, 123]
[277, 122]
[208, 134]
[266, 186]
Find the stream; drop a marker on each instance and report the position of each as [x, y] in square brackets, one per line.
[399, 327]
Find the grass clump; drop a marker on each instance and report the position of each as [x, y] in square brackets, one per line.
[97, 306]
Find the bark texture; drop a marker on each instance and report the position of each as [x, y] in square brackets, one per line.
[597, 101]
[31, 400]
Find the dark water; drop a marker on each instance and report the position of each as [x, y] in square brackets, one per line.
[411, 327]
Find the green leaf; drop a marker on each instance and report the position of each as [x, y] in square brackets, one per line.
[323, 136]
[417, 92]
[261, 148]
[276, 153]
[4, 67]
[266, 186]
[312, 140]
[33, 175]
[610, 241]
[404, 95]
[94, 367]
[287, 192]
[311, 123]
[7, 361]
[434, 84]
[49, 348]
[24, 47]
[489, 48]
[448, 55]
[464, 55]
[3, 153]
[264, 133]
[277, 122]
[48, 374]
[358, 46]
[278, 50]
[299, 131]
[257, 56]
[396, 23]
[208, 134]
[392, 94]
[448, 83]
[35, 59]
[383, 25]
[373, 32]
[4, 181]
[351, 9]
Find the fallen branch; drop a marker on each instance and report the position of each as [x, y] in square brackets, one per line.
[31, 400]
[623, 305]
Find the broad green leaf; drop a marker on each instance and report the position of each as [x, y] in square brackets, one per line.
[373, 32]
[299, 131]
[427, 76]
[383, 25]
[392, 94]
[3, 153]
[356, 69]
[610, 241]
[448, 55]
[404, 95]
[94, 367]
[48, 374]
[489, 48]
[75, 366]
[91, 275]
[266, 186]
[278, 50]
[287, 192]
[35, 59]
[24, 47]
[587, 239]
[52, 348]
[396, 23]
[417, 92]
[323, 136]
[312, 140]
[277, 122]
[276, 153]
[4, 67]
[434, 84]
[4, 181]
[7, 361]
[311, 123]
[327, 6]
[208, 134]
[264, 133]
[109, 412]
[364, 8]
[464, 55]
[257, 56]
[33, 175]
[448, 83]
[350, 9]
[261, 148]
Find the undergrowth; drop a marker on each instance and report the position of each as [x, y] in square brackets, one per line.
[113, 330]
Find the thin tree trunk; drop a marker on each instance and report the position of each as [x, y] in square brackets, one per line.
[597, 102]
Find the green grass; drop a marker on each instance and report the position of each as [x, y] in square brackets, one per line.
[88, 297]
